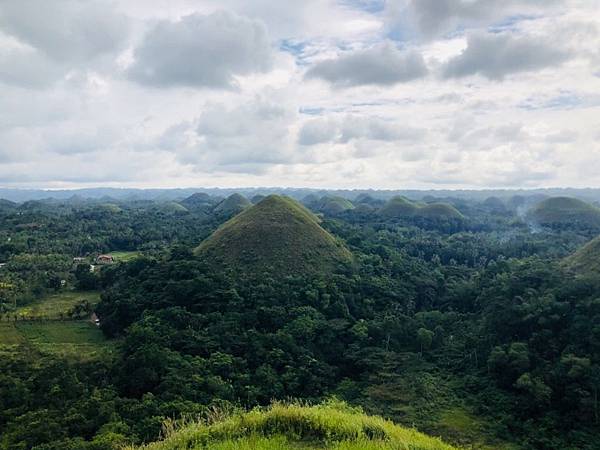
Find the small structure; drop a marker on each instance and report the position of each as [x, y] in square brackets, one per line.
[105, 259]
[78, 259]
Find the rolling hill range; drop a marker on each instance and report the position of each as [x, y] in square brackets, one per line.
[280, 427]
[276, 235]
[586, 260]
[565, 211]
[400, 207]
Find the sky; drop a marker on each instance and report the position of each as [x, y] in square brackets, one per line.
[384, 94]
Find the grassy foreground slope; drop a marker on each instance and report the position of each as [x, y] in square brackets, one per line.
[277, 235]
[332, 425]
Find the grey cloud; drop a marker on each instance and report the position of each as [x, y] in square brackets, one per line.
[253, 136]
[436, 17]
[352, 127]
[378, 130]
[383, 65]
[202, 51]
[495, 56]
[28, 68]
[317, 131]
[65, 30]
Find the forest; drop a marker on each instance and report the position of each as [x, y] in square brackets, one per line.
[475, 320]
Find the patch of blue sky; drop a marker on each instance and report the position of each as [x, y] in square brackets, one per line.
[565, 100]
[510, 23]
[370, 6]
[293, 46]
[311, 111]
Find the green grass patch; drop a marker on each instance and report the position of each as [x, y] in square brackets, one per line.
[332, 425]
[53, 306]
[74, 339]
[124, 256]
[10, 335]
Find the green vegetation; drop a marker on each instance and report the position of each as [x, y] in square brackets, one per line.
[481, 330]
[234, 204]
[401, 207]
[58, 306]
[277, 235]
[122, 256]
[334, 205]
[586, 260]
[566, 211]
[172, 207]
[74, 339]
[332, 425]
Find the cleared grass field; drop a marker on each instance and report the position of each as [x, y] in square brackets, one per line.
[53, 306]
[74, 339]
[10, 335]
[124, 256]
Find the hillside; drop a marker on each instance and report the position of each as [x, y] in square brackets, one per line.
[233, 204]
[565, 211]
[278, 234]
[586, 260]
[399, 207]
[171, 208]
[198, 200]
[334, 205]
[332, 425]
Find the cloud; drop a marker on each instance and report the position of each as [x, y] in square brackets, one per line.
[66, 30]
[202, 51]
[318, 131]
[495, 56]
[249, 137]
[383, 65]
[434, 18]
[28, 68]
[355, 127]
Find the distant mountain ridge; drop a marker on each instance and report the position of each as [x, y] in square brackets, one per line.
[177, 194]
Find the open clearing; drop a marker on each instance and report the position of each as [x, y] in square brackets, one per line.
[53, 306]
[124, 256]
[78, 339]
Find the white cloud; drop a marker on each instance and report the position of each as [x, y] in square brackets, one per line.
[223, 93]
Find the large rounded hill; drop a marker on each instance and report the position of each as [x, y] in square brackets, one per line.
[565, 211]
[277, 235]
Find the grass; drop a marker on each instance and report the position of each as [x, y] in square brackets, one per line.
[53, 306]
[75, 339]
[277, 235]
[332, 425]
[124, 256]
[10, 335]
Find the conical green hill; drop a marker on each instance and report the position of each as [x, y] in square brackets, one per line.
[277, 235]
[233, 204]
[567, 211]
